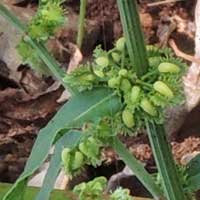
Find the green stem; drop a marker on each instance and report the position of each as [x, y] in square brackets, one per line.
[81, 26]
[149, 86]
[149, 74]
[137, 168]
[123, 60]
[133, 34]
[165, 162]
[137, 53]
[42, 51]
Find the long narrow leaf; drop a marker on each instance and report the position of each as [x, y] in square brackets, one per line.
[165, 162]
[134, 36]
[69, 140]
[193, 174]
[137, 168]
[88, 106]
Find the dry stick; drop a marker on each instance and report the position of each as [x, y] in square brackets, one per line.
[181, 54]
[162, 2]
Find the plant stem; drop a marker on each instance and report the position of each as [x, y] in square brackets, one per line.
[148, 75]
[42, 51]
[165, 162]
[149, 86]
[137, 53]
[133, 34]
[137, 168]
[81, 26]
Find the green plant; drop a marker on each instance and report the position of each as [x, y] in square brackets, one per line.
[95, 190]
[122, 90]
[49, 17]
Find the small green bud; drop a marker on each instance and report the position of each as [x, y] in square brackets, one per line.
[120, 44]
[92, 140]
[89, 77]
[83, 148]
[125, 85]
[154, 61]
[116, 57]
[128, 118]
[148, 107]
[102, 61]
[123, 72]
[78, 161]
[99, 73]
[65, 155]
[166, 67]
[113, 82]
[135, 92]
[163, 89]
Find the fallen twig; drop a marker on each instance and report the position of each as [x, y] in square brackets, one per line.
[181, 54]
[162, 2]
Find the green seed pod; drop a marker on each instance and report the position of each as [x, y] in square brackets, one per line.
[92, 140]
[99, 73]
[123, 72]
[116, 57]
[135, 92]
[148, 107]
[166, 67]
[94, 149]
[120, 44]
[102, 61]
[78, 161]
[125, 85]
[128, 118]
[163, 89]
[83, 148]
[65, 155]
[87, 77]
[113, 82]
[154, 61]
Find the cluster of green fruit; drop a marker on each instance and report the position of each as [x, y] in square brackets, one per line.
[87, 152]
[49, 17]
[135, 97]
[95, 190]
[144, 97]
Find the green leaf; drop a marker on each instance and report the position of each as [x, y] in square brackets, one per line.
[193, 166]
[137, 168]
[83, 107]
[193, 174]
[171, 182]
[32, 192]
[194, 183]
[133, 35]
[69, 140]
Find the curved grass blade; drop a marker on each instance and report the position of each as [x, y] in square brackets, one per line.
[137, 168]
[69, 140]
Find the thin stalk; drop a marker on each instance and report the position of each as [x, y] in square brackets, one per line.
[137, 53]
[133, 34]
[137, 168]
[81, 25]
[42, 51]
[165, 162]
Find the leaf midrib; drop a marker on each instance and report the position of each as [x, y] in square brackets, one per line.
[93, 107]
